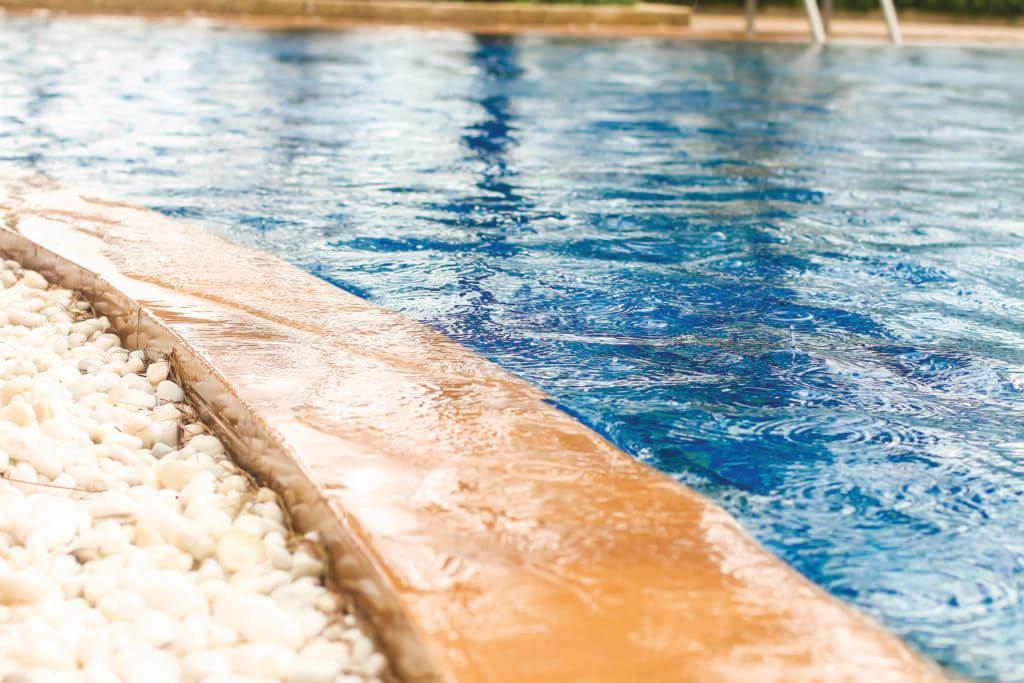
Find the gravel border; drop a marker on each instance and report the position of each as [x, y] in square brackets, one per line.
[132, 548]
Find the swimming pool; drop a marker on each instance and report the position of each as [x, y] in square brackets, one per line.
[788, 277]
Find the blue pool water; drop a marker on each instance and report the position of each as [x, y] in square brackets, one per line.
[793, 279]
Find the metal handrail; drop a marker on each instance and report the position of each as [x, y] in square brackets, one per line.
[819, 27]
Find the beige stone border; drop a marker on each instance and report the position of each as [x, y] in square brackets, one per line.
[487, 535]
[774, 24]
[390, 12]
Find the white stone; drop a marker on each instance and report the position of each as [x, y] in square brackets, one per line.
[165, 412]
[24, 318]
[110, 504]
[121, 605]
[146, 536]
[175, 474]
[322, 649]
[24, 587]
[271, 512]
[308, 670]
[207, 443]
[237, 549]
[167, 390]
[304, 564]
[192, 429]
[194, 541]
[110, 537]
[132, 366]
[137, 398]
[207, 666]
[313, 621]
[117, 584]
[213, 588]
[250, 524]
[174, 593]
[280, 558]
[23, 472]
[257, 618]
[164, 433]
[46, 463]
[18, 412]
[41, 647]
[374, 664]
[155, 627]
[97, 585]
[167, 556]
[214, 523]
[362, 648]
[147, 665]
[106, 342]
[268, 660]
[203, 483]
[192, 633]
[157, 372]
[126, 441]
[293, 596]
[31, 278]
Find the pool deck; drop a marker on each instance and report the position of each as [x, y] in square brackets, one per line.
[487, 535]
[641, 20]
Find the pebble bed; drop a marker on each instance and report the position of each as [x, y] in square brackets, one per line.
[131, 547]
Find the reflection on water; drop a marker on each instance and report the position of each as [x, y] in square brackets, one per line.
[791, 279]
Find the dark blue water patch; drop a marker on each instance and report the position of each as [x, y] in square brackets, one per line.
[788, 278]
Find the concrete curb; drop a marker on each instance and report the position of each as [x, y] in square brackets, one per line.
[452, 14]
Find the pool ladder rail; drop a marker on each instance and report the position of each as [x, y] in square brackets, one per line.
[819, 27]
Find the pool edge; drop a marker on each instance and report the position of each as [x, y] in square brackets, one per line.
[714, 25]
[471, 552]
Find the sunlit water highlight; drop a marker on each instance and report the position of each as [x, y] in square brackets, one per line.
[791, 279]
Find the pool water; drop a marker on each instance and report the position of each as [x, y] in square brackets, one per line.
[792, 278]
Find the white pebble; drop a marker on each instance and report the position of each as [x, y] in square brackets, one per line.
[157, 372]
[304, 564]
[25, 318]
[308, 670]
[23, 472]
[110, 504]
[207, 443]
[174, 593]
[164, 433]
[121, 605]
[23, 587]
[136, 398]
[237, 549]
[165, 412]
[111, 573]
[167, 390]
[257, 617]
[18, 412]
[208, 665]
[31, 278]
[155, 628]
[267, 660]
[175, 474]
[46, 463]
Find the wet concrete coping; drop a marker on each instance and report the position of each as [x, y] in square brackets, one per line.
[487, 535]
[671, 22]
[391, 12]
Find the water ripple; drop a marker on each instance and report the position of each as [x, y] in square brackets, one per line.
[791, 279]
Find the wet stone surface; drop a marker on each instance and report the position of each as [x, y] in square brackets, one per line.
[131, 547]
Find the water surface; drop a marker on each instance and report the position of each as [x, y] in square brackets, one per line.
[790, 278]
